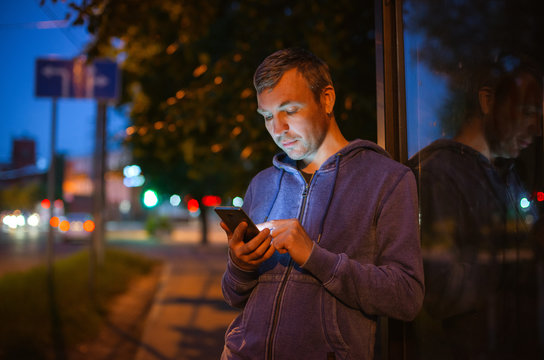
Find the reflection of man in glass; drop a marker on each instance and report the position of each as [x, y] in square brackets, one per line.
[481, 298]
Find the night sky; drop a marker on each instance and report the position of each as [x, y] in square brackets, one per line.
[29, 31]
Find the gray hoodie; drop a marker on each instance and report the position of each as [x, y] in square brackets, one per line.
[361, 210]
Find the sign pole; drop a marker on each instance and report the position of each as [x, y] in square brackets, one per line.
[96, 250]
[74, 79]
[51, 187]
[99, 182]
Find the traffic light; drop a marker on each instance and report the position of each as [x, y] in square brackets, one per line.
[46, 204]
[192, 205]
[211, 200]
[150, 198]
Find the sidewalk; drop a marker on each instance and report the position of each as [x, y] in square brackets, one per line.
[188, 317]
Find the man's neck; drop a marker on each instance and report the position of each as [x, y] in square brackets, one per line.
[472, 134]
[334, 141]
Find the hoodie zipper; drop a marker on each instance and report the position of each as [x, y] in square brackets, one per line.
[277, 306]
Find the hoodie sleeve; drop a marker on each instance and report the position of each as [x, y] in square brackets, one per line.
[237, 284]
[393, 285]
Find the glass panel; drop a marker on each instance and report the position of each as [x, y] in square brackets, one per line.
[474, 111]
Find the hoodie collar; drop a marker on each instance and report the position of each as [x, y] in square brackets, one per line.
[282, 161]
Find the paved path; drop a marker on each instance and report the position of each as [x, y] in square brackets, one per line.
[188, 317]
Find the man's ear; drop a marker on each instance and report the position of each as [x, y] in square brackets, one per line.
[328, 97]
[485, 97]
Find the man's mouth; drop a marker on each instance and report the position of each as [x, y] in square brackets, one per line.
[288, 143]
[523, 143]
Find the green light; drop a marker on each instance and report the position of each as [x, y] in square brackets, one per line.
[150, 198]
[524, 203]
[237, 201]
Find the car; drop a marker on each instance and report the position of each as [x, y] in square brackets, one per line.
[76, 226]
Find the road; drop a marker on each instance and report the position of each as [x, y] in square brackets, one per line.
[24, 248]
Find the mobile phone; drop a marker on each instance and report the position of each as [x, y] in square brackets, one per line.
[233, 215]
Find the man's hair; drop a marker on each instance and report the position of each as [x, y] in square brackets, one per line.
[314, 70]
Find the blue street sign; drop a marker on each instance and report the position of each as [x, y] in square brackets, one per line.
[106, 76]
[54, 77]
[76, 79]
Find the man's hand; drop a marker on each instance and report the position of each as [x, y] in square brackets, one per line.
[248, 256]
[289, 236]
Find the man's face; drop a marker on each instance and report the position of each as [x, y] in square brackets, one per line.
[296, 122]
[516, 118]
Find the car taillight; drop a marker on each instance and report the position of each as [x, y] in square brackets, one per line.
[88, 225]
[64, 225]
[54, 222]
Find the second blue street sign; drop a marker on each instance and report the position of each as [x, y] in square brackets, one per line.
[61, 78]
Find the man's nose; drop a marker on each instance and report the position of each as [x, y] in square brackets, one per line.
[279, 125]
[534, 126]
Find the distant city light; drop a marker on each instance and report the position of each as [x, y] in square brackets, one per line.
[19, 218]
[192, 205]
[54, 222]
[211, 200]
[540, 196]
[46, 204]
[88, 226]
[524, 203]
[150, 198]
[131, 171]
[64, 225]
[125, 206]
[237, 201]
[175, 200]
[10, 221]
[33, 220]
[136, 181]
[133, 176]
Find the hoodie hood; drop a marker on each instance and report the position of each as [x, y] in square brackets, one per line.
[285, 164]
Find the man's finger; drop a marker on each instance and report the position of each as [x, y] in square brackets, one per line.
[265, 225]
[239, 232]
[226, 228]
[254, 243]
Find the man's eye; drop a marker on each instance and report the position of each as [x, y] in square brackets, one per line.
[267, 117]
[291, 111]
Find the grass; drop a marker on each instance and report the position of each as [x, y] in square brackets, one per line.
[42, 316]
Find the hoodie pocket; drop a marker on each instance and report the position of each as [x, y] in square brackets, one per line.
[330, 325]
[247, 333]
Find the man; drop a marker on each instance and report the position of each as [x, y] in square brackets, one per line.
[480, 274]
[339, 241]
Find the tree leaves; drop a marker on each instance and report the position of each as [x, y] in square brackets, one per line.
[187, 74]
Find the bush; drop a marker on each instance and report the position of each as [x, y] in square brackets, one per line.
[42, 314]
[155, 224]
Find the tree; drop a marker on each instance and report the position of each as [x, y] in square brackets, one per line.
[187, 75]
[22, 196]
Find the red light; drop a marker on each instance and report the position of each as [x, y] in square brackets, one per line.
[59, 204]
[211, 200]
[192, 205]
[46, 204]
[540, 196]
